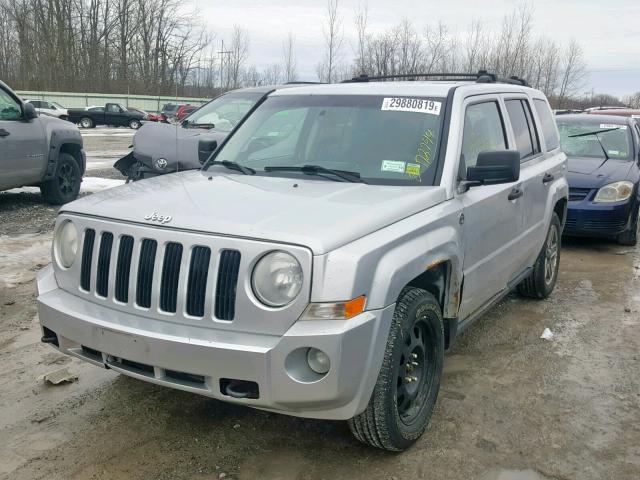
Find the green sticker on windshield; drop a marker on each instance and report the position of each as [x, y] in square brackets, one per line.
[413, 170]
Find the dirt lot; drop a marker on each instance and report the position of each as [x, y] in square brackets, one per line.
[512, 406]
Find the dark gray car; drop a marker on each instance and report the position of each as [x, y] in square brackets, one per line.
[38, 150]
[160, 148]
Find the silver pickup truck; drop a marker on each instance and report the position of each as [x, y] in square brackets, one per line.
[38, 150]
[323, 260]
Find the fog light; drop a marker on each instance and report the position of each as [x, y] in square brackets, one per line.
[318, 361]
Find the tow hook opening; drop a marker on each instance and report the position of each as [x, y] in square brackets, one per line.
[49, 336]
[239, 388]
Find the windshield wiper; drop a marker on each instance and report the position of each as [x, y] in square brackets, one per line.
[353, 177]
[233, 166]
[595, 134]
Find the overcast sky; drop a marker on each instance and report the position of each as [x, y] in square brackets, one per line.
[608, 30]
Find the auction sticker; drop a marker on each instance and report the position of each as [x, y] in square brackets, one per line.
[610, 125]
[417, 105]
[392, 166]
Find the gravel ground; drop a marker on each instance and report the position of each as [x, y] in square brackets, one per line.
[512, 406]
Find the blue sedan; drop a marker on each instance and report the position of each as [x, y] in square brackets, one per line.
[604, 172]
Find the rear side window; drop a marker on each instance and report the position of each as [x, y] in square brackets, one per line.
[524, 129]
[483, 131]
[548, 124]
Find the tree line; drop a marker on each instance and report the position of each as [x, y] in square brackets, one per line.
[158, 47]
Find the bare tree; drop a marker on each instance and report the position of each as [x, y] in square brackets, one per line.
[361, 19]
[289, 59]
[573, 71]
[334, 38]
[239, 53]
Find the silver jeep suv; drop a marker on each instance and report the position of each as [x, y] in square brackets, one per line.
[321, 263]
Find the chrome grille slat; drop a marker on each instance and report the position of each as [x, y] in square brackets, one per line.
[197, 285]
[228, 267]
[170, 276]
[146, 268]
[87, 256]
[123, 269]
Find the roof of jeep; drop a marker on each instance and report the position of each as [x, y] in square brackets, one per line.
[595, 119]
[433, 89]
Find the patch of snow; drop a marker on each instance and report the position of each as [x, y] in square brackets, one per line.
[89, 185]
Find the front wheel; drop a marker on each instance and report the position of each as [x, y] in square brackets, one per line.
[409, 379]
[134, 124]
[543, 279]
[630, 236]
[65, 184]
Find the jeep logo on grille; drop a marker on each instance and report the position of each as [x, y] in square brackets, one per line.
[156, 217]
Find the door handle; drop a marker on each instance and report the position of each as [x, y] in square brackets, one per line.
[547, 178]
[4, 133]
[515, 193]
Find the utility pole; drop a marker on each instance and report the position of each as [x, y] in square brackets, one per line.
[222, 53]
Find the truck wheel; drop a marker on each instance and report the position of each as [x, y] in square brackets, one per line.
[543, 279]
[409, 379]
[65, 184]
[135, 124]
[630, 235]
[86, 122]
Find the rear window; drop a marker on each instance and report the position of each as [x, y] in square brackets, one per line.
[549, 131]
[524, 129]
[586, 138]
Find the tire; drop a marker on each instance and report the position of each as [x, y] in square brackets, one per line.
[65, 184]
[134, 124]
[543, 279]
[86, 122]
[630, 236]
[399, 409]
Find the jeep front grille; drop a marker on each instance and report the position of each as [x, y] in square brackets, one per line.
[169, 260]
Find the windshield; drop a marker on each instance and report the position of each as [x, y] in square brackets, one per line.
[616, 142]
[225, 111]
[388, 141]
[56, 104]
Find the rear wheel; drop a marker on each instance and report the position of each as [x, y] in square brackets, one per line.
[65, 184]
[409, 379]
[86, 122]
[630, 235]
[543, 279]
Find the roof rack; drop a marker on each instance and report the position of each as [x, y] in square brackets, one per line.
[482, 76]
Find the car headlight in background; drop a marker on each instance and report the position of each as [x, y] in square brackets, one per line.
[277, 279]
[65, 244]
[614, 192]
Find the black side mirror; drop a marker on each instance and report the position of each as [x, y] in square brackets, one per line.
[29, 112]
[502, 166]
[205, 149]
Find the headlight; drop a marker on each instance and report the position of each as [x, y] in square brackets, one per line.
[614, 192]
[277, 279]
[65, 244]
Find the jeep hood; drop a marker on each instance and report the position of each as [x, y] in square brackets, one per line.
[178, 145]
[321, 215]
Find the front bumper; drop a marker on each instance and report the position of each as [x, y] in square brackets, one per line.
[197, 359]
[586, 218]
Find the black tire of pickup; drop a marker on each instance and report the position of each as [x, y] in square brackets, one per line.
[407, 387]
[86, 122]
[630, 236]
[134, 124]
[543, 279]
[65, 184]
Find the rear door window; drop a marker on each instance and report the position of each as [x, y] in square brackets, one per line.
[524, 128]
[547, 123]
